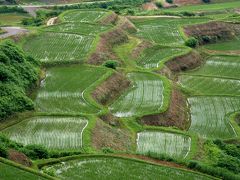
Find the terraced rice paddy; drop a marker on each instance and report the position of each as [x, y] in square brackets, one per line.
[151, 57]
[145, 97]
[9, 172]
[115, 168]
[83, 16]
[78, 28]
[210, 116]
[58, 133]
[164, 30]
[59, 47]
[231, 45]
[173, 145]
[64, 88]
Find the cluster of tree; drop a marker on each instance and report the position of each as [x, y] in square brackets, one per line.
[8, 2]
[18, 73]
[10, 9]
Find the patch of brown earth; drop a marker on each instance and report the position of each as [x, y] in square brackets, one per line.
[187, 2]
[110, 119]
[104, 135]
[104, 47]
[111, 89]
[126, 25]
[140, 48]
[149, 6]
[19, 157]
[165, 71]
[110, 19]
[212, 32]
[175, 115]
[185, 62]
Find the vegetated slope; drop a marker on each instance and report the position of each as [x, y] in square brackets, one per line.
[113, 168]
[18, 74]
[173, 145]
[145, 97]
[164, 30]
[55, 133]
[64, 88]
[217, 81]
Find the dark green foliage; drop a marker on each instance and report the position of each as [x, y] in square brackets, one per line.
[107, 150]
[18, 73]
[36, 152]
[206, 1]
[10, 9]
[169, 1]
[3, 151]
[191, 42]
[111, 64]
[159, 4]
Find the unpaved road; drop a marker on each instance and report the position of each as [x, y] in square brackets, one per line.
[12, 31]
[51, 21]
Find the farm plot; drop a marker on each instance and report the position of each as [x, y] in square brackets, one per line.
[151, 57]
[78, 28]
[220, 66]
[230, 45]
[9, 172]
[145, 97]
[199, 85]
[59, 47]
[209, 116]
[164, 30]
[58, 133]
[173, 145]
[83, 16]
[63, 89]
[114, 168]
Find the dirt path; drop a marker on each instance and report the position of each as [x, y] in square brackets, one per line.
[12, 31]
[51, 21]
[158, 16]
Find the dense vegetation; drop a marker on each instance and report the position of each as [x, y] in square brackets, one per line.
[18, 74]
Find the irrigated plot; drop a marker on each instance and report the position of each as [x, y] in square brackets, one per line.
[164, 30]
[78, 28]
[200, 85]
[145, 97]
[210, 116]
[151, 57]
[116, 168]
[63, 89]
[173, 145]
[58, 133]
[9, 172]
[83, 16]
[220, 66]
[230, 45]
[59, 47]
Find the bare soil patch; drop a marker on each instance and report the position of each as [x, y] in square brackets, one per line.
[111, 89]
[185, 62]
[104, 135]
[19, 157]
[176, 115]
[111, 120]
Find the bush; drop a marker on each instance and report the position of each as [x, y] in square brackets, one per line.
[3, 151]
[169, 1]
[191, 42]
[111, 64]
[36, 152]
[159, 4]
[206, 1]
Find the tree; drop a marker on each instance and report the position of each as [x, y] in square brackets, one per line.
[191, 42]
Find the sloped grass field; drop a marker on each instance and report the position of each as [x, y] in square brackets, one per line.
[145, 97]
[83, 16]
[173, 145]
[164, 30]
[55, 133]
[63, 90]
[152, 57]
[210, 116]
[51, 47]
[115, 168]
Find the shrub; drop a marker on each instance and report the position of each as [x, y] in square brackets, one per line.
[206, 1]
[3, 151]
[36, 152]
[111, 64]
[159, 4]
[169, 1]
[191, 42]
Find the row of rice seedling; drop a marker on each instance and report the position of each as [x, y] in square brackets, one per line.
[62, 91]
[78, 28]
[164, 30]
[115, 168]
[83, 16]
[209, 115]
[220, 66]
[170, 144]
[151, 57]
[145, 97]
[58, 133]
[200, 85]
[59, 47]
